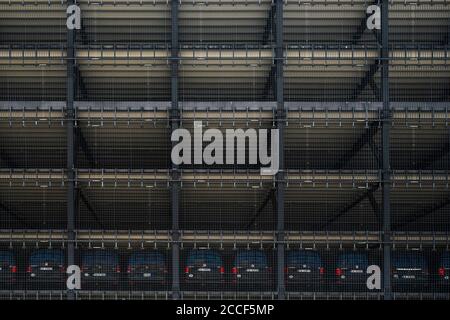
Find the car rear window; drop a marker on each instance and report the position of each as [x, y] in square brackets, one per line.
[309, 258]
[445, 260]
[350, 260]
[257, 258]
[42, 256]
[100, 257]
[146, 258]
[204, 256]
[408, 260]
[6, 258]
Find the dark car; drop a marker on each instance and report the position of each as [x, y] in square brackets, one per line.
[305, 269]
[100, 269]
[8, 269]
[46, 269]
[145, 268]
[351, 270]
[204, 267]
[409, 270]
[251, 269]
[444, 269]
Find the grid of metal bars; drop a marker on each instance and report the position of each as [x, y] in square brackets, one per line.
[363, 157]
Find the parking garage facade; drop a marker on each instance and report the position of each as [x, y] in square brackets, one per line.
[87, 179]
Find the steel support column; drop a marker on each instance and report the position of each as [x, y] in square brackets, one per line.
[70, 115]
[175, 185]
[281, 117]
[385, 170]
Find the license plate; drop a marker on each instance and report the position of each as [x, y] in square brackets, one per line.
[409, 277]
[252, 270]
[147, 275]
[356, 271]
[204, 269]
[303, 270]
[46, 269]
[99, 275]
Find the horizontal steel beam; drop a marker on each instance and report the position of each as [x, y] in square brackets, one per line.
[248, 56]
[135, 106]
[145, 178]
[205, 236]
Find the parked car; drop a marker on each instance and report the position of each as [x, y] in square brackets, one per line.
[444, 269]
[251, 269]
[8, 269]
[46, 269]
[146, 268]
[409, 270]
[100, 269]
[304, 269]
[204, 267]
[351, 270]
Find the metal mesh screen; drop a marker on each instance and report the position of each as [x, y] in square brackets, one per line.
[87, 176]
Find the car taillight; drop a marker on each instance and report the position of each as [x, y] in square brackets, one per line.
[322, 270]
[118, 269]
[62, 269]
[441, 272]
[129, 269]
[29, 269]
[186, 270]
[286, 270]
[13, 269]
[338, 272]
[234, 270]
[222, 270]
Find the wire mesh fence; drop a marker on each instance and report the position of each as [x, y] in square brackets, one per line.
[39, 268]
[144, 228]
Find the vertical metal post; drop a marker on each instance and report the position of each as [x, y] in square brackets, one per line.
[281, 116]
[175, 185]
[386, 183]
[70, 115]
